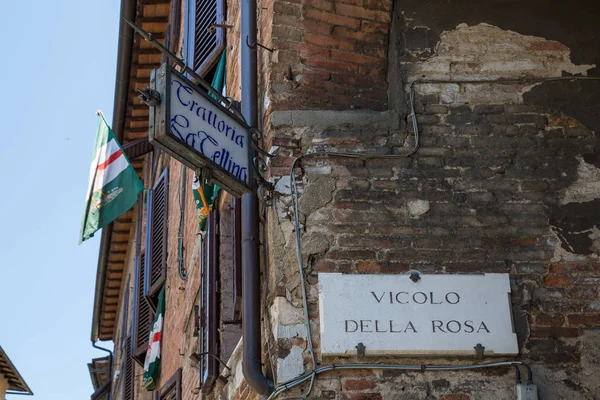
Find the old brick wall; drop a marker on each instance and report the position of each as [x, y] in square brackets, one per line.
[504, 180]
[124, 312]
[180, 294]
[328, 55]
[179, 341]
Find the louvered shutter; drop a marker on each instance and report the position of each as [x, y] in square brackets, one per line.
[125, 315]
[205, 41]
[128, 377]
[156, 238]
[143, 316]
[172, 389]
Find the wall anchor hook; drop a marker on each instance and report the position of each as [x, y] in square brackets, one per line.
[253, 45]
[263, 197]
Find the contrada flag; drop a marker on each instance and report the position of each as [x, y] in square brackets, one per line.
[113, 186]
[152, 362]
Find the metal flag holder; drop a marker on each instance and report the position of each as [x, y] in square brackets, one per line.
[152, 98]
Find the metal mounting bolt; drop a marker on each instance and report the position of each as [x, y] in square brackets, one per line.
[479, 349]
[360, 349]
[415, 277]
[149, 96]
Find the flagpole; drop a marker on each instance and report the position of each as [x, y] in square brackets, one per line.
[185, 69]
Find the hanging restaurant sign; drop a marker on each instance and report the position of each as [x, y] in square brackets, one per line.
[188, 124]
[443, 314]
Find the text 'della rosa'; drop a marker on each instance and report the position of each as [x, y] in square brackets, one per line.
[445, 314]
[436, 325]
[201, 125]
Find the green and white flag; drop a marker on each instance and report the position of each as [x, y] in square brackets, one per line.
[113, 185]
[152, 362]
[205, 195]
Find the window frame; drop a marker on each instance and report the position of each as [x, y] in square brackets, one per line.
[128, 372]
[152, 289]
[140, 331]
[189, 36]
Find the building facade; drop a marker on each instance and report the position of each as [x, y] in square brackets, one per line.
[425, 137]
[11, 381]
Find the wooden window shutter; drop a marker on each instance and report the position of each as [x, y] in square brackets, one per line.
[125, 315]
[142, 315]
[206, 41]
[156, 238]
[172, 389]
[128, 372]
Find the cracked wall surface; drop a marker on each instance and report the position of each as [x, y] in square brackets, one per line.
[505, 179]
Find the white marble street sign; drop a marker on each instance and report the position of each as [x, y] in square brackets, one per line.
[437, 315]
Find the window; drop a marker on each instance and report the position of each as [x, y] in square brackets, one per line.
[218, 313]
[124, 316]
[151, 264]
[143, 315]
[172, 389]
[142, 312]
[155, 262]
[203, 41]
[128, 370]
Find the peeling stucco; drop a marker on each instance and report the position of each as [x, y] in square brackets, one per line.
[316, 194]
[577, 226]
[416, 208]
[291, 366]
[585, 188]
[478, 51]
[486, 52]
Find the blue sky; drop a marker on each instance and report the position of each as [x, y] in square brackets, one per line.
[58, 68]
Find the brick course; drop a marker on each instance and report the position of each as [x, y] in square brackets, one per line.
[490, 169]
[493, 172]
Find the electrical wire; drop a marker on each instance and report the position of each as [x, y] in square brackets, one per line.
[518, 373]
[504, 80]
[529, 373]
[208, 353]
[400, 367]
[303, 395]
[294, 191]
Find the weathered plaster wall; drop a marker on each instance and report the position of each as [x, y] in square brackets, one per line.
[573, 25]
[504, 181]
